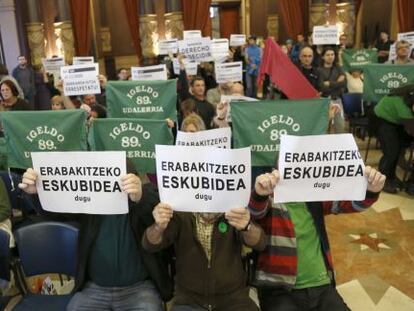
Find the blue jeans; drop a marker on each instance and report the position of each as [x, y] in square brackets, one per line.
[141, 296]
[251, 88]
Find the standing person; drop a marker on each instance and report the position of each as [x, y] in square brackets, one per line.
[332, 83]
[307, 68]
[42, 97]
[253, 59]
[383, 47]
[402, 49]
[396, 119]
[113, 271]
[295, 272]
[197, 92]
[25, 76]
[297, 47]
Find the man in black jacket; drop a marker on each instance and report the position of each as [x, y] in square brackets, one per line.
[114, 272]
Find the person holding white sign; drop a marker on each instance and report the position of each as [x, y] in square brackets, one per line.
[402, 49]
[295, 271]
[111, 264]
[208, 251]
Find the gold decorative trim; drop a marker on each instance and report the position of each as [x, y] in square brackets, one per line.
[148, 32]
[174, 26]
[36, 40]
[273, 26]
[64, 34]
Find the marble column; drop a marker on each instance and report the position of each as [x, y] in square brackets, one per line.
[64, 34]
[148, 27]
[11, 36]
[105, 32]
[346, 19]
[272, 20]
[318, 13]
[173, 16]
[35, 33]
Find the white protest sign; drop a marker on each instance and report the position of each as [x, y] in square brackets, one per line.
[220, 138]
[203, 179]
[220, 49]
[53, 65]
[236, 98]
[228, 72]
[166, 47]
[190, 67]
[237, 40]
[196, 49]
[190, 34]
[320, 168]
[149, 73]
[325, 35]
[393, 54]
[407, 36]
[81, 182]
[80, 79]
[79, 60]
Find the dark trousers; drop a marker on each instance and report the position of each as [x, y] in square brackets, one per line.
[321, 298]
[392, 138]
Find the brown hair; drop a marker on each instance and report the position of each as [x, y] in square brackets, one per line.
[11, 86]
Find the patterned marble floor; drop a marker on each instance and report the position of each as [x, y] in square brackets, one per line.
[373, 253]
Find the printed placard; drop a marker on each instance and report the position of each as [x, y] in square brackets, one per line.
[407, 36]
[325, 35]
[237, 40]
[191, 34]
[229, 72]
[203, 179]
[320, 168]
[81, 182]
[166, 47]
[220, 138]
[393, 53]
[196, 49]
[149, 73]
[53, 65]
[220, 49]
[80, 79]
[80, 60]
[190, 67]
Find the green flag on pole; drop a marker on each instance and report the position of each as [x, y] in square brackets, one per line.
[259, 125]
[356, 59]
[63, 130]
[154, 100]
[137, 137]
[379, 79]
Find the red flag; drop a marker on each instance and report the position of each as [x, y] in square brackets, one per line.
[284, 74]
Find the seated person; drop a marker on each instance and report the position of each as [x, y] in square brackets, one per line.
[209, 268]
[114, 272]
[295, 271]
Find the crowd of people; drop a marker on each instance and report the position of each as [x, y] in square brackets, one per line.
[124, 260]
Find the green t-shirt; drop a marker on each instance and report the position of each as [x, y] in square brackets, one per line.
[115, 259]
[311, 266]
[393, 109]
